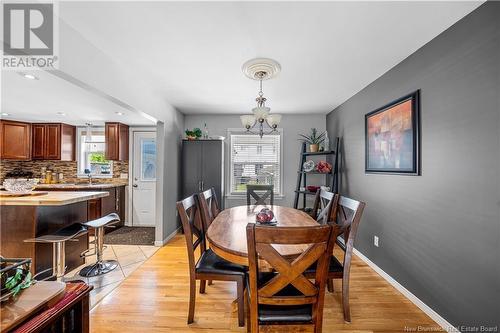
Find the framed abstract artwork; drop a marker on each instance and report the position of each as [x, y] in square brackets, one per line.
[392, 135]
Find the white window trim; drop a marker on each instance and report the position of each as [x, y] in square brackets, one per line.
[230, 195]
[79, 131]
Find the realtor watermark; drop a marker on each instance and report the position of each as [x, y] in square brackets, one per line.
[30, 36]
[461, 328]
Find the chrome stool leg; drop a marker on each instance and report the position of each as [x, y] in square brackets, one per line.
[101, 266]
[58, 240]
[58, 260]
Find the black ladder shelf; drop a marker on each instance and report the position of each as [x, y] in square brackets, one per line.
[332, 177]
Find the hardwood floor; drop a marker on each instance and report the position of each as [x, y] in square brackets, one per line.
[155, 299]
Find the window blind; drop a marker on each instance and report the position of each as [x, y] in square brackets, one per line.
[255, 160]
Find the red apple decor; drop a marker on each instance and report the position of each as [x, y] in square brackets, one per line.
[324, 167]
[265, 216]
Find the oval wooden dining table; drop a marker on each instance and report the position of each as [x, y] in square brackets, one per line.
[228, 238]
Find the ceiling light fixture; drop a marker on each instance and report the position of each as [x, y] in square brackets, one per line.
[28, 76]
[261, 69]
[5, 114]
[61, 113]
[119, 113]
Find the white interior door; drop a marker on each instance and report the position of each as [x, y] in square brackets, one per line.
[144, 179]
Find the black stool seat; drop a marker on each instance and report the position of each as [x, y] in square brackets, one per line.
[58, 240]
[103, 221]
[61, 235]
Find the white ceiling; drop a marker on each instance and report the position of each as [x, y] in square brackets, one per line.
[42, 99]
[190, 55]
[193, 51]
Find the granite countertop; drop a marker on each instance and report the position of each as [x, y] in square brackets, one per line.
[80, 186]
[52, 198]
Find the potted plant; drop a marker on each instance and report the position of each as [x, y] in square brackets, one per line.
[313, 139]
[194, 134]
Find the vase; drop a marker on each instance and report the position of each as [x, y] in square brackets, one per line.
[313, 148]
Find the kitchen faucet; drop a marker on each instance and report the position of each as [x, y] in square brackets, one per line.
[89, 175]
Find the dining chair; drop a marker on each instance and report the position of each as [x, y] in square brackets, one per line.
[260, 199]
[209, 265]
[348, 214]
[286, 296]
[324, 203]
[209, 206]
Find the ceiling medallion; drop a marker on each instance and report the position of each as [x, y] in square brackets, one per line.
[254, 67]
[261, 69]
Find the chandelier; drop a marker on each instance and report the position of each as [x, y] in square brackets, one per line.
[261, 122]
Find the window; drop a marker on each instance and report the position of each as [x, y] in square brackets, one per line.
[255, 160]
[91, 154]
[148, 159]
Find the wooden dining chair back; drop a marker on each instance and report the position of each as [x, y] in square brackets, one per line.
[348, 214]
[209, 207]
[209, 265]
[324, 204]
[260, 198]
[192, 227]
[286, 296]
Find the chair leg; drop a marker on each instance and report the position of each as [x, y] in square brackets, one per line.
[241, 302]
[210, 282]
[345, 298]
[192, 299]
[330, 285]
[203, 283]
[248, 315]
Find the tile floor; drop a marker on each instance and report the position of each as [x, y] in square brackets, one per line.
[129, 258]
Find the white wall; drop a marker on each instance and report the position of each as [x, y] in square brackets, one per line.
[292, 125]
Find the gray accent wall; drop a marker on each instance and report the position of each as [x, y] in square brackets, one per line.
[292, 125]
[439, 232]
[168, 188]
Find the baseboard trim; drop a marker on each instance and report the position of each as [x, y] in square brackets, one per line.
[445, 325]
[168, 238]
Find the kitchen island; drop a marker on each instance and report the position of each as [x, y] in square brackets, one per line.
[32, 216]
[115, 202]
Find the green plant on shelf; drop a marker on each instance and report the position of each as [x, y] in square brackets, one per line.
[193, 134]
[313, 138]
[97, 158]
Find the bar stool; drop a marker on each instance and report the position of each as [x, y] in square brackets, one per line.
[58, 240]
[100, 266]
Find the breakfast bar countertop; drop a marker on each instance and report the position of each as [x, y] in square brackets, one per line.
[52, 198]
[81, 186]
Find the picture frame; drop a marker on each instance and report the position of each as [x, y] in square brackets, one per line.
[392, 137]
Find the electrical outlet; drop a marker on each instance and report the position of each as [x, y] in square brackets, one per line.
[375, 241]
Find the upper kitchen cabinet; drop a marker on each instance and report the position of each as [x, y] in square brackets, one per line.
[53, 142]
[15, 140]
[116, 142]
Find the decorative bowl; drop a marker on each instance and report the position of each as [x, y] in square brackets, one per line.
[312, 188]
[20, 185]
[309, 166]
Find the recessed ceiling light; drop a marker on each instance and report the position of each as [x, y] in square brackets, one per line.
[5, 114]
[119, 113]
[28, 76]
[61, 113]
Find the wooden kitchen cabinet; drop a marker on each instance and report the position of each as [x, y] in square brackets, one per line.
[15, 140]
[53, 142]
[116, 142]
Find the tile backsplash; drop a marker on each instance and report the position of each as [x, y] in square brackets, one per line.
[68, 169]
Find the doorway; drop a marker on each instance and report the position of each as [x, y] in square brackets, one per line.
[144, 179]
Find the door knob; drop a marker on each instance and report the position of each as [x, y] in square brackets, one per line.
[135, 185]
